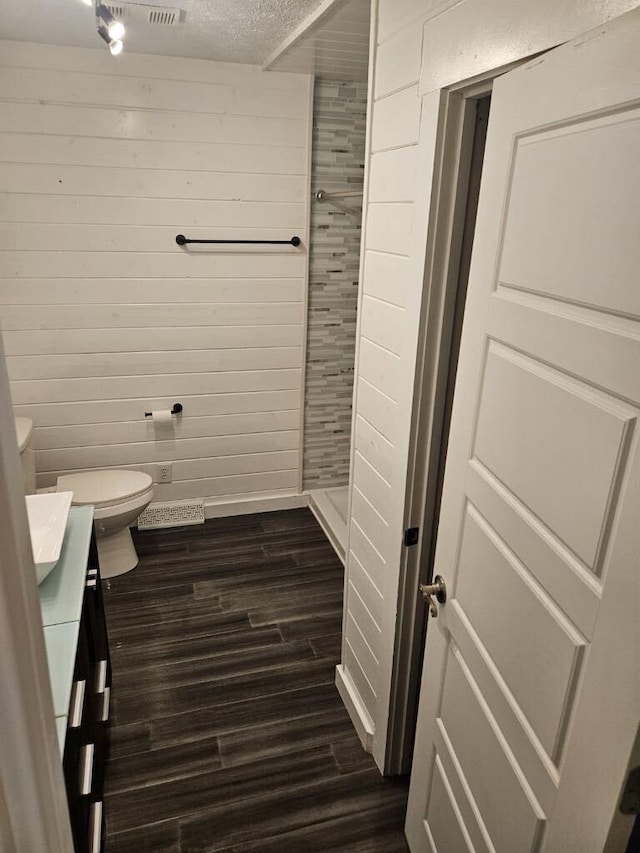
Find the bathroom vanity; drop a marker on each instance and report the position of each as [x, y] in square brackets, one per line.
[80, 672]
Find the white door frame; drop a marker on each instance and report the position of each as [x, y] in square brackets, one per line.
[34, 815]
[446, 207]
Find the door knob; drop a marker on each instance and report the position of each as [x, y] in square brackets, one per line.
[437, 590]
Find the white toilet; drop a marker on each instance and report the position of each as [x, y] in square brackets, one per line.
[118, 498]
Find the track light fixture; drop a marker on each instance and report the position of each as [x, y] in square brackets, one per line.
[110, 29]
[114, 28]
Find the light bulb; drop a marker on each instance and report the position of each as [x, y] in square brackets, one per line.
[116, 31]
[116, 47]
[87, 2]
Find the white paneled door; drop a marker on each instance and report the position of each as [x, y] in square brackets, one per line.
[530, 692]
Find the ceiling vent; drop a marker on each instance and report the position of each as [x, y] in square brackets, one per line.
[118, 12]
[164, 17]
[141, 13]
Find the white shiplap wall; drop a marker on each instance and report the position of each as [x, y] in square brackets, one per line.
[421, 46]
[102, 162]
[381, 405]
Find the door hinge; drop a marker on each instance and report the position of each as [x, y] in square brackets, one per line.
[411, 536]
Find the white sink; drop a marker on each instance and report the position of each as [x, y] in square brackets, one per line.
[47, 515]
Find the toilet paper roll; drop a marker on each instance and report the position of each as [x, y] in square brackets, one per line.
[162, 416]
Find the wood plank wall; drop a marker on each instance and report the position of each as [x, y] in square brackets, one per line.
[102, 162]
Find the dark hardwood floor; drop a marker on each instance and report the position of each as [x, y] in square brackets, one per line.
[228, 732]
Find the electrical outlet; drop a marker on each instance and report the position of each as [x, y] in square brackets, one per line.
[164, 472]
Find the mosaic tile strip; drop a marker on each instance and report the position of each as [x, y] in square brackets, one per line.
[337, 164]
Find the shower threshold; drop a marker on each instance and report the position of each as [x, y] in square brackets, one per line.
[330, 508]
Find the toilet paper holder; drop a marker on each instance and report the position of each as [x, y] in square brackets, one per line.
[176, 409]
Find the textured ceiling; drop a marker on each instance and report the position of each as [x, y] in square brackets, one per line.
[227, 30]
[336, 46]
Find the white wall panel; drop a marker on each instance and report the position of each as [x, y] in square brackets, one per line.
[102, 163]
[195, 213]
[376, 407]
[51, 317]
[361, 647]
[365, 554]
[354, 667]
[373, 484]
[396, 120]
[382, 322]
[80, 435]
[497, 32]
[198, 264]
[109, 413]
[391, 234]
[239, 461]
[392, 175]
[398, 61]
[380, 367]
[241, 487]
[366, 636]
[387, 276]
[147, 183]
[41, 367]
[154, 339]
[50, 57]
[173, 385]
[244, 97]
[368, 591]
[364, 513]
[373, 447]
[142, 124]
[129, 153]
[123, 291]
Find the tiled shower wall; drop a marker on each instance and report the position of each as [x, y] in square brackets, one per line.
[337, 164]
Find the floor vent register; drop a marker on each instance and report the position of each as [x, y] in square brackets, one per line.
[171, 514]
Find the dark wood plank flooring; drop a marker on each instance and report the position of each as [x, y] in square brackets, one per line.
[228, 732]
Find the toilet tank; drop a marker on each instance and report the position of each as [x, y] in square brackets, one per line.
[24, 432]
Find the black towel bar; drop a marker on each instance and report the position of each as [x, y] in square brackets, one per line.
[181, 240]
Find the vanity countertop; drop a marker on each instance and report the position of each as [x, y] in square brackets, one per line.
[61, 596]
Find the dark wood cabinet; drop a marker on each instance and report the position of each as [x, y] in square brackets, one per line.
[87, 738]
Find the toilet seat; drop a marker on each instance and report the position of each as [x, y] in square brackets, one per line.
[135, 505]
[103, 489]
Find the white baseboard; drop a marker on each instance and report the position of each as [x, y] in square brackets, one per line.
[330, 521]
[249, 505]
[362, 722]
